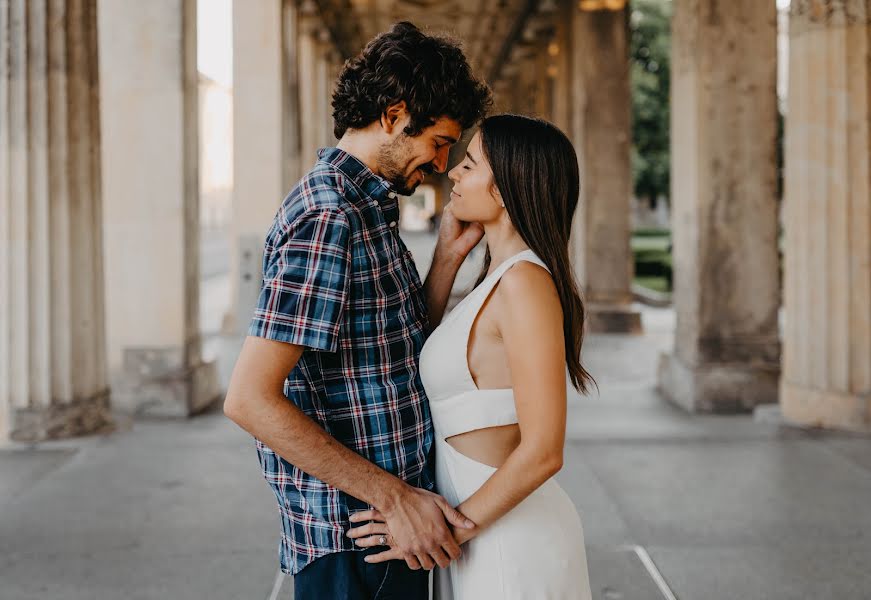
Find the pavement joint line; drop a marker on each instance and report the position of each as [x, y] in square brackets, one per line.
[276, 585]
[653, 571]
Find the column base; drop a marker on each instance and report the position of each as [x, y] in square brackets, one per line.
[716, 388]
[77, 418]
[824, 408]
[610, 318]
[146, 386]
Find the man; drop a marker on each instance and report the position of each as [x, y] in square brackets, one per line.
[327, 381]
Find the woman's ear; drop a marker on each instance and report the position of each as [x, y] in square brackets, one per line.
[497, 195]
[393, 116]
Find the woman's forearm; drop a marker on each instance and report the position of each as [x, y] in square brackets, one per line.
[522, 473]
[439, 282]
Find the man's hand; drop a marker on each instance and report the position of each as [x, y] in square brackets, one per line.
[457, 238]
[416, 528]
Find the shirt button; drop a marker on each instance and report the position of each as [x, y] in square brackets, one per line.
[393, 223]
[391, 195]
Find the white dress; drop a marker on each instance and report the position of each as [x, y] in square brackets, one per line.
[536, 551]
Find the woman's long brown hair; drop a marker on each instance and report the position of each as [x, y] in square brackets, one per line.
[535, 169]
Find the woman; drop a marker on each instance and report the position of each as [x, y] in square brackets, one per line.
[495, 374]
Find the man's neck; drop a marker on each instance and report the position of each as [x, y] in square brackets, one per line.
[362, 148]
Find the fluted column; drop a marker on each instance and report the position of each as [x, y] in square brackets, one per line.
[52, 351]
[602, 136]
[149, 110]
[827, 217]
[266, 137]
[724, 207]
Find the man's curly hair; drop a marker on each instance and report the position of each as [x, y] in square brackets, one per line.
[429, 73]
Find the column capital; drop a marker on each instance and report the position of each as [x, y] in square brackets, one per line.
[811, 14]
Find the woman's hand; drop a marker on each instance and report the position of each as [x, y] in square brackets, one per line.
[374, 532]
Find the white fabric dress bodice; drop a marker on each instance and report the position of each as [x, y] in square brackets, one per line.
[536, 551]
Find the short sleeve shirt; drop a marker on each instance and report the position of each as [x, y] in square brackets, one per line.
[339, 281]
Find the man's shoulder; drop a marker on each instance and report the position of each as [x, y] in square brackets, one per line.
[321, 190]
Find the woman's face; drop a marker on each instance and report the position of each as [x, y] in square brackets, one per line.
[474, 197]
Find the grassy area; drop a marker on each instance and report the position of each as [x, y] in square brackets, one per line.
[649, 243]
[657, 284]
[650, 248]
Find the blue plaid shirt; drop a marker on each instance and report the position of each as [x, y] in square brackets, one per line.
[338, 280]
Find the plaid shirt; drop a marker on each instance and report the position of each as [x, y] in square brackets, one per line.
[338, 280]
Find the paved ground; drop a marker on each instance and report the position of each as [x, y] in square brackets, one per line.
[722, 508]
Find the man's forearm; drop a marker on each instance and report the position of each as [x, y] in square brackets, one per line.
[439, 282]
[291, 434]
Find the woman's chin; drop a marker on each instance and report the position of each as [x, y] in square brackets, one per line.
[458, 214]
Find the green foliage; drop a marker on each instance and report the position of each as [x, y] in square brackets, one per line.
[651, 250]
[657, 284]
[653, 233]
[650, 75]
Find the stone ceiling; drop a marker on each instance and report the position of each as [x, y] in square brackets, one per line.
[487, 28]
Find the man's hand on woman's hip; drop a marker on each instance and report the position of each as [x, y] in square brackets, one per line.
[415, 526]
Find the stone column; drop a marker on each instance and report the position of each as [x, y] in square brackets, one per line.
[827, 218]
[602, 135]
[559, 50]
[324, 85]
[724, 207]
[265, 140]
[149, 110]
[309, 97]
[543, 84]
[53, 379]
[333, 66]
[291, 115]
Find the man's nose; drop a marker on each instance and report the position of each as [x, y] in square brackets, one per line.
[440, 164]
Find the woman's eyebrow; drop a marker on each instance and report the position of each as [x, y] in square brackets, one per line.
[474, 162]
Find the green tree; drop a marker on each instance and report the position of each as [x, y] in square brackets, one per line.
[650, 75]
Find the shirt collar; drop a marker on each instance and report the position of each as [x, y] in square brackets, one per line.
[372, 185]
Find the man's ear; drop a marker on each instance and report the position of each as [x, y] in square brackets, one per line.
[394, 116]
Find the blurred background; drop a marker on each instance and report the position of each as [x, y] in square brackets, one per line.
[723, 244]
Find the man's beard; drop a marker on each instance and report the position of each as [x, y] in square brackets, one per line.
[392, 161]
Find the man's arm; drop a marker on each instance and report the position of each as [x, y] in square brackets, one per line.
[456, 239]
[438, 285]
[256, 402]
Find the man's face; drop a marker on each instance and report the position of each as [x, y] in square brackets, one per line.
[405, 161]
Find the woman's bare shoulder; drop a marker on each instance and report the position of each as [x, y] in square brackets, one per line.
[527, 289]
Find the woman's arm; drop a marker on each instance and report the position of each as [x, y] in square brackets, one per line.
[529, 317]
[456, 239]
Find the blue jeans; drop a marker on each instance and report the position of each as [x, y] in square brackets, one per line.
[346, 576]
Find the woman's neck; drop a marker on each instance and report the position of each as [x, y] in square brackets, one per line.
[503, 241]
